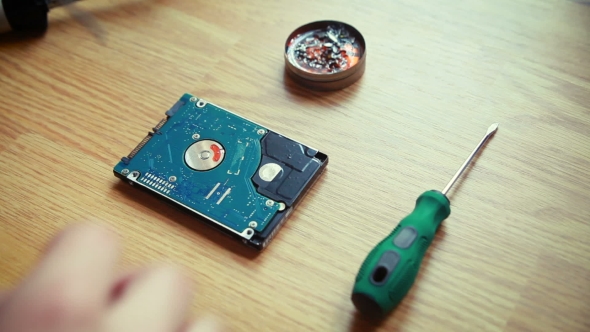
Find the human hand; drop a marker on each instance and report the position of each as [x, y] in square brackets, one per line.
[75, 288]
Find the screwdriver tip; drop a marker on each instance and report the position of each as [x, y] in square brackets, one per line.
[492, 128]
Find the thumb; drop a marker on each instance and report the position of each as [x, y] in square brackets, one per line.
[206, 324]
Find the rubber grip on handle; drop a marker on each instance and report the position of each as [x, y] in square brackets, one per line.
[390, 269]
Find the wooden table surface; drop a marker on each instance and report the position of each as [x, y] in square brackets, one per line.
[513, 256]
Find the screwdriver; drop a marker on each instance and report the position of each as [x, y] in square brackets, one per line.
[27, 15]
[390, 269]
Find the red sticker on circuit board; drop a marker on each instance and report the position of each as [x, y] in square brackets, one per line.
[216, 152]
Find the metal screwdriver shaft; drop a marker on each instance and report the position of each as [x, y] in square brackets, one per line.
[491, 130]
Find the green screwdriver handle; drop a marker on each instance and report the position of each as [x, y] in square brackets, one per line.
[389, 271]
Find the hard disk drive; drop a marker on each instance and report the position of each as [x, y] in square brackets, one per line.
[238, 176]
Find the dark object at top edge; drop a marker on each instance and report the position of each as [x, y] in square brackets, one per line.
[26, 15]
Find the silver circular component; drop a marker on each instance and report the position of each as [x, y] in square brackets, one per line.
[282, 206]
[270, 203]
[204, 155]
[261, 131]
[193, 99]
[125, 171]
[172, 178]
[201, 103]
[253, 224]
[196, 136]
[269, 171]
[135, 174]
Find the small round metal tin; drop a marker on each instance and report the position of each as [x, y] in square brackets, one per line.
[325, 55]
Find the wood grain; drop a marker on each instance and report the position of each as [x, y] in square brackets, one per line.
[513, 256]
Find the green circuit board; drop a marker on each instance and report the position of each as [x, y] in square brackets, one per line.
[224, 194]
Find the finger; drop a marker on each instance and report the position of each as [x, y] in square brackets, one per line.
[155, 301]
[119, 287]
[4, 295]
[207, 324]
[70, 286]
